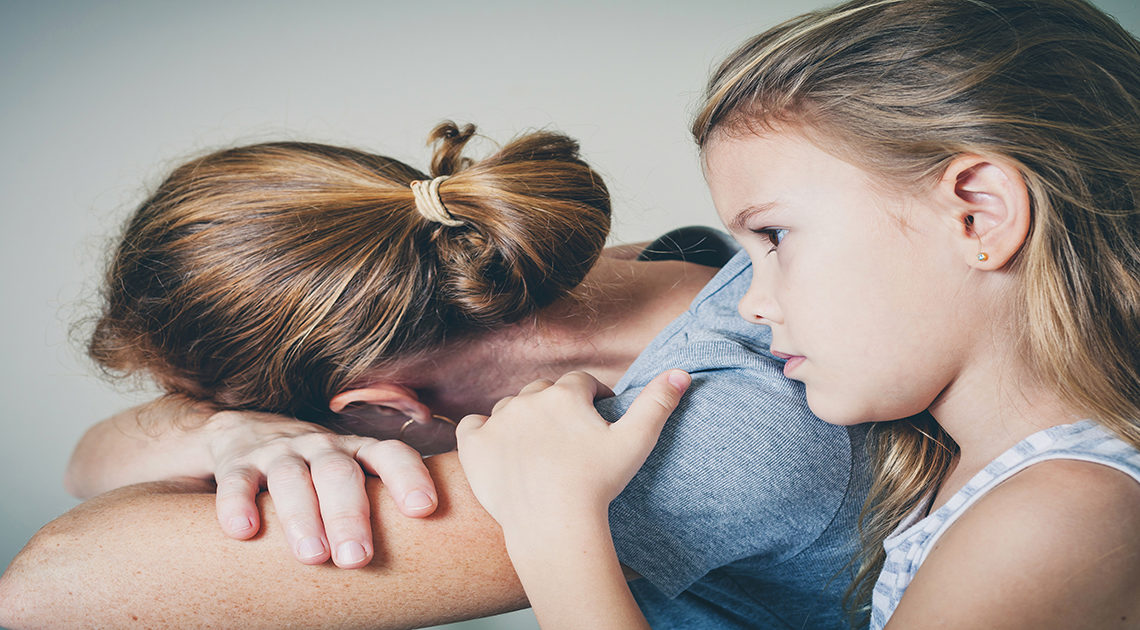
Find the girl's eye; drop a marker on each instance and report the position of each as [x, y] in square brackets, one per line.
[774, 235]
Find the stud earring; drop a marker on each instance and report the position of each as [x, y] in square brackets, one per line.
[982, 256]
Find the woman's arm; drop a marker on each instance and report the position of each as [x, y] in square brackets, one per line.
[152, 555]
[162, 439]
[546, 466]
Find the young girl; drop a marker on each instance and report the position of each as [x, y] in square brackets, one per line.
[939, 199]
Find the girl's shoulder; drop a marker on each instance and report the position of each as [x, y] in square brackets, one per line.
[1054, 545]
[1061, 500]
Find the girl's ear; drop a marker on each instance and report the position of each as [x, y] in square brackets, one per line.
[396, 397]
[989, 206]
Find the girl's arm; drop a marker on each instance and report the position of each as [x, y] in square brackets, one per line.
[315, 475]
[546, 466]
[1055, 546]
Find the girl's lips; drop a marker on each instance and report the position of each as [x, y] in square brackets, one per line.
[791, 361]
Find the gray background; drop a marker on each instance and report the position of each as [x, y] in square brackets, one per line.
[99, 100]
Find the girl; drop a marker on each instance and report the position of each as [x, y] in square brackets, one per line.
[939, 199]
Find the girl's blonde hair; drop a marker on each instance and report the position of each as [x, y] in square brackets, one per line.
[273, 276]
[901, 87]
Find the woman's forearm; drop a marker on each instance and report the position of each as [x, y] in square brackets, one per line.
[162, 439]
[153, 556]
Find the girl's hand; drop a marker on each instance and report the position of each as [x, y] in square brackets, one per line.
[316, 480]
[546, 465]
[546, 455]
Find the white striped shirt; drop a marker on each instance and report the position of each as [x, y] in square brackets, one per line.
[910, 543]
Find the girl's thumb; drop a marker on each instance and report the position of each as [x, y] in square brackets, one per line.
[649, 411]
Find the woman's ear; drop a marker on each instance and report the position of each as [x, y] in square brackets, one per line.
[989, 207]
[396, 397]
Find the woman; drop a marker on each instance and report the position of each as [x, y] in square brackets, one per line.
[308, 280]
[354, 289]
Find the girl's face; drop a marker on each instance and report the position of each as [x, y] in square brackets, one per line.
[859, 288]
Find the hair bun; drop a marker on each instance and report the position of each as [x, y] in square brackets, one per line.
[450, 140]
[536, 217]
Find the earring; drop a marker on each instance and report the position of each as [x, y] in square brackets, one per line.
[982, 256]
[410, 422]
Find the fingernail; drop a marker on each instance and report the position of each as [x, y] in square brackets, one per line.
[680, 380]
[240, 524]
[350, 553]
[417, 500]
[310, 547]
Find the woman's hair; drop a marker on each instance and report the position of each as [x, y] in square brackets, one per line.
[902, 87]
[273, 276]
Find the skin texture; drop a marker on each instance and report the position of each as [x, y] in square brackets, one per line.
[450, 566]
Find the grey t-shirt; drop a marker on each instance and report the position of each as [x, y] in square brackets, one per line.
[744, 515]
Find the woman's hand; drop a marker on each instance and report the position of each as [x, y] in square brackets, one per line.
[316, 480]
[546, 454]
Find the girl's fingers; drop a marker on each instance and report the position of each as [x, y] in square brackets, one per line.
[291, 487]
[586, 384]
[530, 388]
[536, 386]
[466, 425]
[402, 470]
[647, 414]
[236, 502]
[344, 509]
[503, 402]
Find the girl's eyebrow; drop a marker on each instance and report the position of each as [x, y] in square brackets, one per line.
[744, 215]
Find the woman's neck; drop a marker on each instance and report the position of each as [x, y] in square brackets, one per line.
[619, 308]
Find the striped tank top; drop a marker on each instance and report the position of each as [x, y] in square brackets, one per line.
[910, 543]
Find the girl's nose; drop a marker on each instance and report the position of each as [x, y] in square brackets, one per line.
[757, 305]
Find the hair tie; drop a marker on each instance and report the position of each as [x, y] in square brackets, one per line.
[430, 205]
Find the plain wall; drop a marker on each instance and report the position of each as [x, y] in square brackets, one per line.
[99, 99]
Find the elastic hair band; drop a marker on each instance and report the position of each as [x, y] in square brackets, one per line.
[430, 205]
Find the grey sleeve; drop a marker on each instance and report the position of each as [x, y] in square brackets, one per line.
[742, 469]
